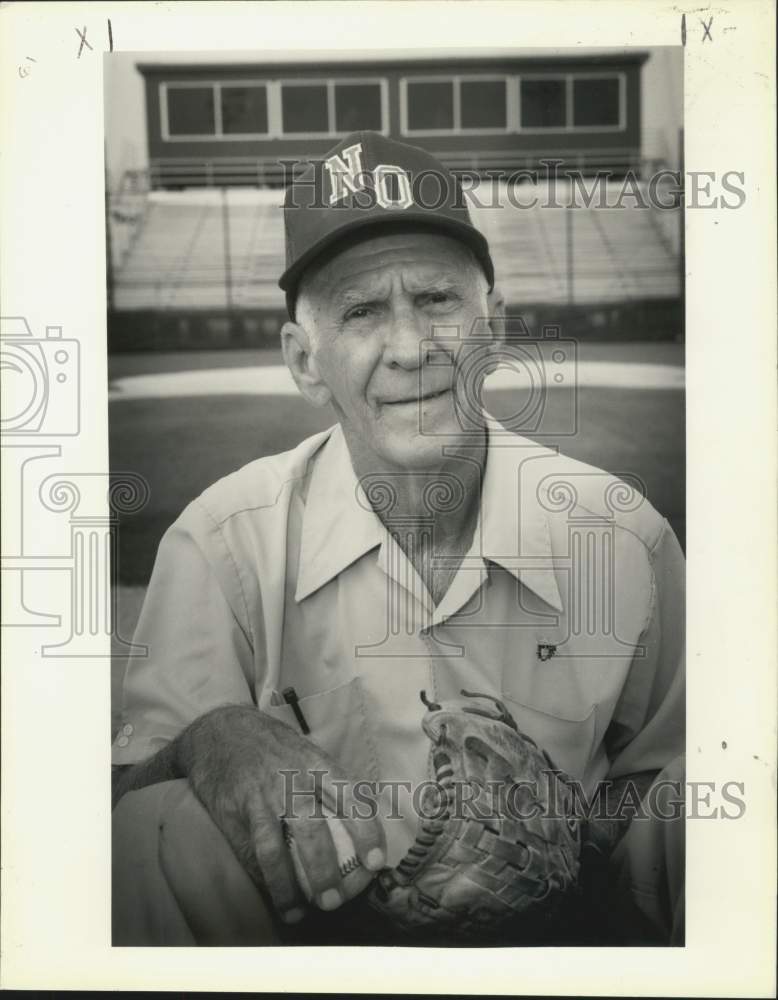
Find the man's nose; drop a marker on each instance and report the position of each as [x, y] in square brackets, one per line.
[405, 335]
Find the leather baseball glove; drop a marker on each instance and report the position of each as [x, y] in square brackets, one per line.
[498, 837]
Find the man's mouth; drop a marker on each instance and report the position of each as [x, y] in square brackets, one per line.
[427, 396]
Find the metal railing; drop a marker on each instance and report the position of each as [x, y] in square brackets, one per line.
[266, 171]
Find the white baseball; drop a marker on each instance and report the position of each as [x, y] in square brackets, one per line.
[349, 865]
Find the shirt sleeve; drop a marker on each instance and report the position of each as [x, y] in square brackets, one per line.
[194, 626]
[648, 728]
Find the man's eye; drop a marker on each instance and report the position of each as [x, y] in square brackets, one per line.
[439, 298]
[357, 312]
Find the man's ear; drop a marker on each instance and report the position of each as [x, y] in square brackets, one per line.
[298, 354]
[496, 305]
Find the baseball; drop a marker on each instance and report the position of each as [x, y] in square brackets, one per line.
[353, 876]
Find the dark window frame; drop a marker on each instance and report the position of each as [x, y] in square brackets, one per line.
[588, 77]
[374, 85]
[165, 88]
[331, 83]
[562, 78]
[241, 85]
[514, 124]
[273, 95]
[569, 126]
[455, 80]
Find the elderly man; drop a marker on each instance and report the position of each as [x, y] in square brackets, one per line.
[299, 606]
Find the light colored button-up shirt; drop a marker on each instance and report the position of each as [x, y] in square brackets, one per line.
[568, 607]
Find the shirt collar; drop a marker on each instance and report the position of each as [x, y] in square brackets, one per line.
[513, 527]
[339, 527]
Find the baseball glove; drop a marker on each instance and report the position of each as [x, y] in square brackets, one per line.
[498, 835]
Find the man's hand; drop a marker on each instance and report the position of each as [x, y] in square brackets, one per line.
[234, 758]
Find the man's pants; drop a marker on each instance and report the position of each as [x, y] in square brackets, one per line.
[177, 882]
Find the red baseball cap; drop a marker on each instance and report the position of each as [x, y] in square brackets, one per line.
[368, 180]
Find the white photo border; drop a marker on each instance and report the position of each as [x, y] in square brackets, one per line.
[55, 734]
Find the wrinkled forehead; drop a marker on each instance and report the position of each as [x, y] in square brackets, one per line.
[419, 257]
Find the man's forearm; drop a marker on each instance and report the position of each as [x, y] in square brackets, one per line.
[172, 761]
[163, 766]
[197, 743]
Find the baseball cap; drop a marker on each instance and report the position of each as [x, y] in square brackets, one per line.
[367, 181]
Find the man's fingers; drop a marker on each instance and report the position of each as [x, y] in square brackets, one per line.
[358, 814]
[318, 857]
[334, 861]
[275, 864]
[365, 830]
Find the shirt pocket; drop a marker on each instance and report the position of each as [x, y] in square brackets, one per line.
[338, 724]
[569, 742]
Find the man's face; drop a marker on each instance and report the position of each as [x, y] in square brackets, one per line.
[372, 308]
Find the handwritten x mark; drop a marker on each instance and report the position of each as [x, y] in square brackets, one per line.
[82, 36]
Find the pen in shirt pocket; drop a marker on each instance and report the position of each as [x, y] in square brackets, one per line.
[290, 697]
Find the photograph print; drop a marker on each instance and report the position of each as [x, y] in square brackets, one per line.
[396, 346]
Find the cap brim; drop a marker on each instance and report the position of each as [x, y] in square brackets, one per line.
[467, 234]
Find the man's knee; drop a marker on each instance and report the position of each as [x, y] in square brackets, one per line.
[176, 879]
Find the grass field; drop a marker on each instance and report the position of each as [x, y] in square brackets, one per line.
[182, 444]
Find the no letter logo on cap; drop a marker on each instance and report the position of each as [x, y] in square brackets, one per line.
[346, 173]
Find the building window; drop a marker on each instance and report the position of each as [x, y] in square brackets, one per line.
[483, 104]
[304, 108]
[596, 101]
[430, 106]
[332, 107]
[570, 102]
[455, 104]
[247, 109]
[543, 102]
[244, 110]
[358, 106]
[190, 111]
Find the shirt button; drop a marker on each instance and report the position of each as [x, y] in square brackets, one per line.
[127, 730]
[122, 741]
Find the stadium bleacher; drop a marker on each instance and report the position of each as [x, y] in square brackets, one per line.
[171, 253]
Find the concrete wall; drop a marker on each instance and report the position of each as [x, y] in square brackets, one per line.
[662, 104]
